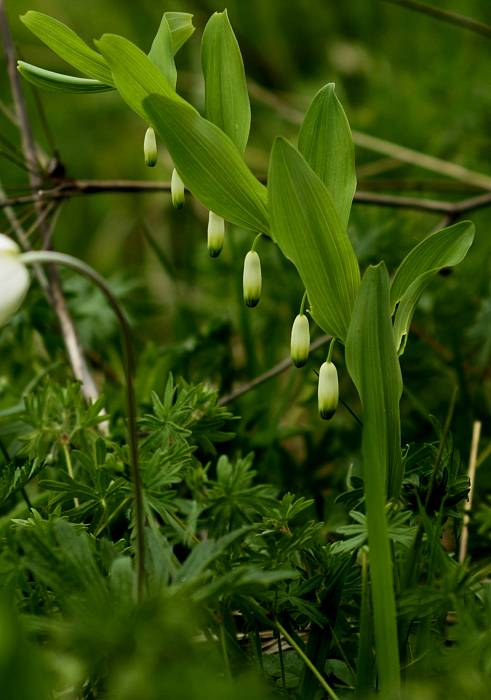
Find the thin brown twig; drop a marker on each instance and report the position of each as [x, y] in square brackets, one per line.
[76, 357]
[378, 145]
[77, 188]
[280, 367]
[445, 16]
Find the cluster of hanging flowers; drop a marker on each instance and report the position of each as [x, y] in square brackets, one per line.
[328, 385]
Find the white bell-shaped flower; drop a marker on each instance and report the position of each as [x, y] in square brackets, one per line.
[14, 279]
[216, 234]
[328, 390]
[252, 280]
[177, 190]
[300, 340]
[150, 147]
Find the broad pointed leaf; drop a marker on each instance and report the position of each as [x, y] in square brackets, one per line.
[226, 96]
[326, 142]
[307, 228]
[59, 82]
[181, 26]
[68, 45]
[445, 248]
[206, 159]
[174, 30]
[209, 163]
[374, 367]
[134, 75]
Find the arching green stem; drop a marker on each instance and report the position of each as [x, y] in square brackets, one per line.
[50, 257]
[304, 303]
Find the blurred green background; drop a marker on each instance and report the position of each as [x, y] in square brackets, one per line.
[401, 76]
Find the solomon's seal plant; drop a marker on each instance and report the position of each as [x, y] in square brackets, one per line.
[304, 210]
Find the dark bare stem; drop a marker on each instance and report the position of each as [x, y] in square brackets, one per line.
[78, 188]
[446, 16]
[54, 258]
[53, 286]
[270, 373]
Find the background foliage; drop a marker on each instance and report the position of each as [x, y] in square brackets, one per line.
[401, 76]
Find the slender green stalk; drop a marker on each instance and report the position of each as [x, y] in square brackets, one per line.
[304, 303]
[307, 661]
[69, 467]
[51, 257]
[364, 664]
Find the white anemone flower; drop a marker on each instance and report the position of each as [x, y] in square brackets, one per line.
[14, 279]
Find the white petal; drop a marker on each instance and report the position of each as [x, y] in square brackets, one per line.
[14, 283]
[8, 246]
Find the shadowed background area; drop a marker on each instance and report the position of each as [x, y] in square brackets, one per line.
[404, 77]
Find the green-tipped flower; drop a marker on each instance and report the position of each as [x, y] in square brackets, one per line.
[300, 341]
[14, 278]
[150, 147]
[328, 390]
[177, 190]
[251, 279]
[216, 234]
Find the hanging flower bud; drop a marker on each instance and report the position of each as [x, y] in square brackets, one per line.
[300, 341]
[150, 147]
[177, 190]
[14, 278]
[216, 234]
[251, 279]
[328, 390]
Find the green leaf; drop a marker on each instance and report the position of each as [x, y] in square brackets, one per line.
[209, 163]
[68, 45]
[174, 30]
[445, 248]
[181, 27]
[59, 82]
[226, 96]
[373, 364]
[374, 367]
[134, 75]
[326, 142]
[307, 228]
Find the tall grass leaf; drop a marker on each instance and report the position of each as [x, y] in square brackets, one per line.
[325, 141]
[307, 228]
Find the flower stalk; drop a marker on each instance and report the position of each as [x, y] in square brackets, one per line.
[51, 257]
